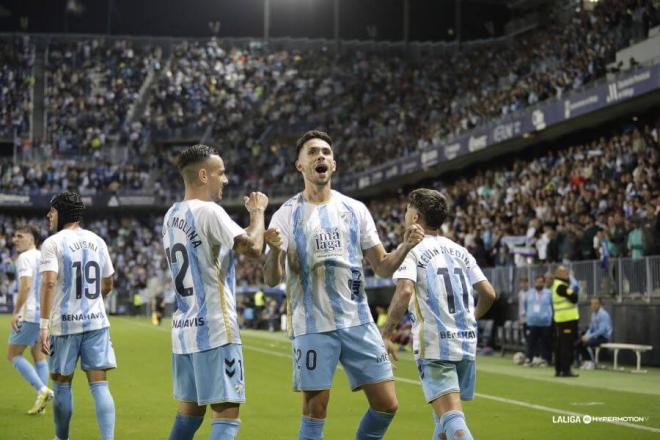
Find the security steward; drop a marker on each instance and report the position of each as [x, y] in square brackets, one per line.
[566, 317]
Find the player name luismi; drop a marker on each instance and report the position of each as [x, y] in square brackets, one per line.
[182, 224]
[83, 244]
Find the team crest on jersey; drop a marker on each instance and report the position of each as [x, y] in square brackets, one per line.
[327, 242]
[346, 216]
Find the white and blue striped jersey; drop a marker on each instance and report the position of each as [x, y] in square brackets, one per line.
[442, 306]
[198, 238]
[27, 265]
[324, 273]
[81, 260]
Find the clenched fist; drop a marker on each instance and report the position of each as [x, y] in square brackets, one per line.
[413, 235]
[256, 201]
[273, 238]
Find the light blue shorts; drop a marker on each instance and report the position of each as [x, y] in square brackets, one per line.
[444, 377]
[27, 334]
[211, 376]
[94, 348]
[360, 350]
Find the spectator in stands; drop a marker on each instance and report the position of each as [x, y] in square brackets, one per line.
[599, 332]
[538, 317]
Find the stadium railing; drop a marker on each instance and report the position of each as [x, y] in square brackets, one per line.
[618, 278]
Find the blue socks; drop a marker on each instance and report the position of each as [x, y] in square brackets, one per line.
[28, 372]
[454, 426]
[185, 427]
[42, 371]
[105, 409]
[224, 429]
[62, 408]
[311, 429]
[373, 425]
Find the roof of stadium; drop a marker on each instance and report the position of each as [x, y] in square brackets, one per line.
[429, 20]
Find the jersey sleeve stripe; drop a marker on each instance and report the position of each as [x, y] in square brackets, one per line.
[301, 248]
[202, 334]
[356, 262]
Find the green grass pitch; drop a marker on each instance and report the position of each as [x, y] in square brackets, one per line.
[512, 402]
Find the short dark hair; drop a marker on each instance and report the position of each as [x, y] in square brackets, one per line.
[32, 230]
[309, 135]
[195, 154]
[431, 204]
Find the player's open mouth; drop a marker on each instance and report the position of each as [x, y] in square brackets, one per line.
[321, 168]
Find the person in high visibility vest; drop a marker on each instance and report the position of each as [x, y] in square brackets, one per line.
[566, 317]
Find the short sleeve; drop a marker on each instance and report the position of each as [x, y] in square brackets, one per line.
[474, 273]
[220, 228]
[23, 268]
[368, 232]
[407, 270]
[281, 220]
[49, 260]
[108, 268]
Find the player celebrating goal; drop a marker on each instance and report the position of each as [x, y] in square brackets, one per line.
[436, 282]
[25, 318]
[319, 236]
[199, 240]
[76, 274]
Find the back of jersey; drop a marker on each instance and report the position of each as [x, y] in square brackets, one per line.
[198, 238]
[444, 326]
[81, 260]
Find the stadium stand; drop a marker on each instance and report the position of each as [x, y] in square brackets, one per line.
[16, 80]
[92, 85]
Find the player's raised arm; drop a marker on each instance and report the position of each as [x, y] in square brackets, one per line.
[251, 244]
[385, 264]
[487, 297]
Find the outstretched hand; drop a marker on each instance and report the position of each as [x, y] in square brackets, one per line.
[256, 201]
[413, 235]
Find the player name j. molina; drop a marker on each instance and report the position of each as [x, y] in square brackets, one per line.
[182, 224]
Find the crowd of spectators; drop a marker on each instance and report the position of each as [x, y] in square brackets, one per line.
[91, 86]
[16, 80]
[251, 102]
[380, 107]
[52, 176]
[596, 200]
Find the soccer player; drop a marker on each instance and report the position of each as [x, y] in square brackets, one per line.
[25, 318]
[436, 283]
[76, 274]
[199, 240]
[319, 238]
